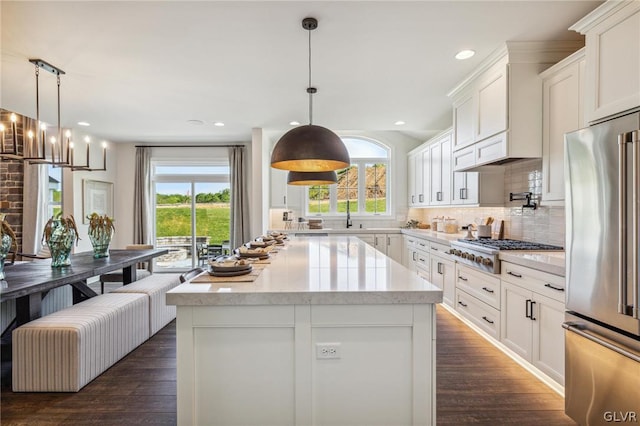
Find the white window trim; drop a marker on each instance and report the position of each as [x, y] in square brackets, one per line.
[361, 163]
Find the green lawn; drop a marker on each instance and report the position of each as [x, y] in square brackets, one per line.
[211, 220]
[323, 206]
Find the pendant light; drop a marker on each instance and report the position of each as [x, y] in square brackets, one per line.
[310, 148]
[311, 178]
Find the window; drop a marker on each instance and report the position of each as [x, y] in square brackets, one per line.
[192, 211]
[361, 187]
[54, 197]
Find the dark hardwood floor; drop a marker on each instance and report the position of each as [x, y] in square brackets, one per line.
[477, 384]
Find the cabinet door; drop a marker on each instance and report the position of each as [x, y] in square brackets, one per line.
[613, 62]
[443, 275]
[394, 246]
[463, 113]
[548, 337]
[278, 188]
[516, 327]
[491, 96]
[440, 172]
[561, 105]
[411, 180]
[424, 184]
[380, 242]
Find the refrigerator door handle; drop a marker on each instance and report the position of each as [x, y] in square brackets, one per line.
[622, 219]
[573, 327]
[623, 140]
[635, 140]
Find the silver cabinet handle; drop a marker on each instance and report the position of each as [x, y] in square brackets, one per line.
[388, 241]
[635, 140]
[573, 327]
[420, 197]
[440, 265]
[413, 199]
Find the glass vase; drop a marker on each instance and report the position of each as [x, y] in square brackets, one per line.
[5, 246]
[100, 240]
[60, 243]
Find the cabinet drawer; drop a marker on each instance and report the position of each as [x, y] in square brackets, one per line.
[483, 286]
[492, 149]
[422, 260]
[464, 158]
[422, 245]
[542, 283]
[441, 250]
[481, 314]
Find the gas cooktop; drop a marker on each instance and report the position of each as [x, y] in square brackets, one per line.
[507, 244]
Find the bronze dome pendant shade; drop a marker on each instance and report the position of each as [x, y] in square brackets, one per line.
[312, 178]
[310, 148]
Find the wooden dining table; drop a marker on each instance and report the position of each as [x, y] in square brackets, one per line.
[29, 282]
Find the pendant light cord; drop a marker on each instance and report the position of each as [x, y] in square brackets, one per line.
[310, 90]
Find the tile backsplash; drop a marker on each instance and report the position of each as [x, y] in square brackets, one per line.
[546, 224]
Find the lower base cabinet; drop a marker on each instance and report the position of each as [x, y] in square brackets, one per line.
[443, 272]
[389, 244]
[532, 322]
[271, 359]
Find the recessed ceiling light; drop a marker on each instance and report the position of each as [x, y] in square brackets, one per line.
[399, 123]
[196, 122]
[294, 123]
[83, 123]
[465, 54]
[218, 124]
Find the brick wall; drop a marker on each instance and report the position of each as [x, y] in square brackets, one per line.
[12, 178]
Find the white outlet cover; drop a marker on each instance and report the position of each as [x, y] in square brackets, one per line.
[328, 351]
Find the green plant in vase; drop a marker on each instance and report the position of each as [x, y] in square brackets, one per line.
[100, 231]
[7, 241]
[60, 234]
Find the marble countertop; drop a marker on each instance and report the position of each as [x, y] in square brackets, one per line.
[342, 231]
[545, 261]
[309, 270]
[438, 237]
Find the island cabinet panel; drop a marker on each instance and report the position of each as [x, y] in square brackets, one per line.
[263, 364]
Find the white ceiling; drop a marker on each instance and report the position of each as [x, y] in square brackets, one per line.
[138, 71]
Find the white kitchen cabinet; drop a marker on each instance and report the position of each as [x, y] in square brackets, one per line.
[440, 170]
[532, 314]
[417, 255]
[389, 244]
[463, 118]
[418, 176]
[282, 195]
[503, 97]
[562, 112]
[477, 298]
[612, 39]
[481, 189]
[443, 272]
[491, 102]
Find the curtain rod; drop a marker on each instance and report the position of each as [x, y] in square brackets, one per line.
[189, 146]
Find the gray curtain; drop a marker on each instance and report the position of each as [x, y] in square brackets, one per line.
[35, 195]
[142, 197]
[240, 230]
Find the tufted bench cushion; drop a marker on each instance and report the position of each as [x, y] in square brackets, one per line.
[155, 287]
[65, 350]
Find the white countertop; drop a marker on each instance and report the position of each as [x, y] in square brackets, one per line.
[438, 237]
[342, 231]
[311, 270]
[546, 261]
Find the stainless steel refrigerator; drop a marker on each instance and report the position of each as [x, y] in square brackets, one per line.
[602, 328]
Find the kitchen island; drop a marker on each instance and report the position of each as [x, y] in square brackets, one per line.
[330, 332]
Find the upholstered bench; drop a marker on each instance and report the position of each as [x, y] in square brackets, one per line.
[155, 287]
[65, 350]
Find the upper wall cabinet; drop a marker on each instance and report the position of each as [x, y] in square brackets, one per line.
[282, 195]
[497, 110]
[562, 112]
[440, 171]
[612, 36]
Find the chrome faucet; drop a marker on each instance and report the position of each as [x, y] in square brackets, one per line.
[349, 223]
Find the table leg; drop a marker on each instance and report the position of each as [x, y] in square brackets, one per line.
[28, 308]
[81, 291]
[128, 274]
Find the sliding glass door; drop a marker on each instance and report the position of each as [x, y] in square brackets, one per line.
[192, 213]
